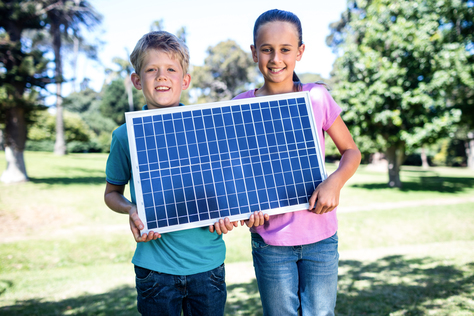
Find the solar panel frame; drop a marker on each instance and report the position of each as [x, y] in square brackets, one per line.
[223, 159]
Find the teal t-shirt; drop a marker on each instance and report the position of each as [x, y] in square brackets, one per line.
[183, 252]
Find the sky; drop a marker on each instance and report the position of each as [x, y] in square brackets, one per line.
[207, 23]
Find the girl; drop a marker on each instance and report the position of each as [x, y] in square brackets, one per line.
[295, 254]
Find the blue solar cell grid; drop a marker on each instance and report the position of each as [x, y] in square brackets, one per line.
[195, 164]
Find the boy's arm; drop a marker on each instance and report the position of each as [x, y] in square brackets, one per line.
[117, 202]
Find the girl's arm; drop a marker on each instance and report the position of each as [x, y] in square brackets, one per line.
[326, 196]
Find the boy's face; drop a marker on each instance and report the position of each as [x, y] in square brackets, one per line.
[161, 79]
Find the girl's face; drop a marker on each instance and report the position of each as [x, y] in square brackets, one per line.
[276, 51]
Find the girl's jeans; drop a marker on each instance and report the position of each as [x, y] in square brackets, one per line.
[165, 294]
[292, 278]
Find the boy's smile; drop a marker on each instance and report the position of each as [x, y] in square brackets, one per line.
[161, 79]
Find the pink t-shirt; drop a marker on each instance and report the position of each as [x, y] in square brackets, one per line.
[303, 227]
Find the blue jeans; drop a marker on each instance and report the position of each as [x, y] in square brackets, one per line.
[292, 278]
[165, 294]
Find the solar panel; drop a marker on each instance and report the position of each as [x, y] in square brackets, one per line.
[195, 164]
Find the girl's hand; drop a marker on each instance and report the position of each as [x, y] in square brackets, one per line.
[325, 198]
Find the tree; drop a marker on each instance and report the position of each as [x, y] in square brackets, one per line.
[22, 71]
[65, 18]
[87, 104]
[125, 71]
[114, 101]
[80, 102]
[458, 32]
[226, 71]
[157, 25]
[311, 77]
[80, 45]
[393, 78]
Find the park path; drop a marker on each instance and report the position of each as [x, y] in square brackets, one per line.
[402, 204]
[10, 236]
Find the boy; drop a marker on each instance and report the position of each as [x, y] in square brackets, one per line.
[182, 270]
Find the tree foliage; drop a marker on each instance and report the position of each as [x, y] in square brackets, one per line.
[397, 70]
[65, 19]
[114, 101]
[74, 126]
[226, 71]
[22, 69]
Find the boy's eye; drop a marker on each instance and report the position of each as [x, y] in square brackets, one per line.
[171, 69]
[150, 69]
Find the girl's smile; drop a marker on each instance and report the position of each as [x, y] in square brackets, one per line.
[276, 51]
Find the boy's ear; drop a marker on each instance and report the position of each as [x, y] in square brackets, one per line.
[300, 52]
[186, 81]
[254, 53]
[136, 81]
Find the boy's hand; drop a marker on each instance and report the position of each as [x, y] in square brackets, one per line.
[136, 225]
[223, 226]
[256, 219]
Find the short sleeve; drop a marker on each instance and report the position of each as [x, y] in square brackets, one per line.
[324, 106]
[118, 168]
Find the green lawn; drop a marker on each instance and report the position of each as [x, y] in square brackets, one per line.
[406, 251]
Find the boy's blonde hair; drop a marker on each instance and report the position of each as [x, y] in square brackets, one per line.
[163, 41]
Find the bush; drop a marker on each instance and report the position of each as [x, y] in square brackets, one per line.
[40, 145]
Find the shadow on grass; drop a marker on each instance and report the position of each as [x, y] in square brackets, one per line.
[69, 181]
[120, 301]
[431, 183]
[243, 299]
[407, 286]
[389, 285]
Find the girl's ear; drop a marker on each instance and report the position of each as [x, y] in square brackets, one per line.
[300, 52]
[136, 81]
[254, 53]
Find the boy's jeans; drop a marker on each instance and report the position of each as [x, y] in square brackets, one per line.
[288, 275]
[165, 294]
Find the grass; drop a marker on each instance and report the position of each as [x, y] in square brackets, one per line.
[62, 252]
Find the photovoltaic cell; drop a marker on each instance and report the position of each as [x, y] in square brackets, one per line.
[193, 165]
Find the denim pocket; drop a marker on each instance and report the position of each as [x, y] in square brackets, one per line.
[147, 283]
[258, 242]
[142, 274]
[334, 237]
[217, 276]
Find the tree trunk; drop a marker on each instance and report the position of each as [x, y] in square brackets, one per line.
[470, 150]
[395, 155]
[2, 147]
[424, 158]
[60, 144]
[128, 87]
[75, 56]
[15, 139]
